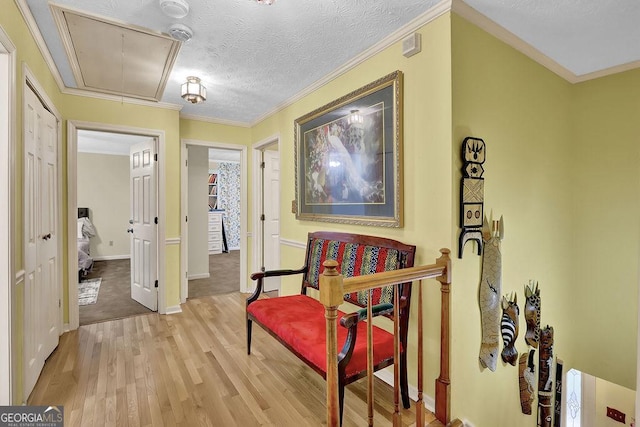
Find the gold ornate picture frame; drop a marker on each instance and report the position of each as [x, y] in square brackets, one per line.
[348, 157]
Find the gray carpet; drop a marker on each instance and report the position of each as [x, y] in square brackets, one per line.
[224, 276]
[114, 300]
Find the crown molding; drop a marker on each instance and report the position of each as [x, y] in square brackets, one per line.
[608, 71]
[472, 15]
[436, 11]
[117, 98]
[456, 6]
[42, 45]
[216, 121]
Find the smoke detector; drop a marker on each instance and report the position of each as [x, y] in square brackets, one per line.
[180, 32]
[174, 8]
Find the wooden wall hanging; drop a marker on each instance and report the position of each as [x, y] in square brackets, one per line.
[532, 314]
[527, 377]
[490, 286]
[557, 412]
[509, 329]
[545, 377]
[471, 193]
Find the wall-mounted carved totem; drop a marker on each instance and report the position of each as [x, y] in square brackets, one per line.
[471, 193]
[545, 377]
[509, 328]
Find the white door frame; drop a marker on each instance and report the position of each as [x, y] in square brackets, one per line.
[7, 197]
[256, 152]
[184, 230]
[72, 205]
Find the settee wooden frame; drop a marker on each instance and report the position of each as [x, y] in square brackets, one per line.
[349, 321]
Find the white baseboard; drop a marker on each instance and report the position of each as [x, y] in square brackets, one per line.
[174, 309]
[234, 248]
[198, 276]
[467, 423]
[66, 328]
[429, 401]
[111, 257]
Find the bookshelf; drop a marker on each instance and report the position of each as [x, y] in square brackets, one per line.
[213, 191]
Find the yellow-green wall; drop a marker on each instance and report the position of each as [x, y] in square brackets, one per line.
[605, 164]
[560, 168]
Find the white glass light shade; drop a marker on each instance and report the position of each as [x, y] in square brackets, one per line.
[193, 91]
[266, 1]
[355, 118]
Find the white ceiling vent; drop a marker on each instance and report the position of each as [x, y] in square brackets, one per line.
[174, 8]
[114, 57]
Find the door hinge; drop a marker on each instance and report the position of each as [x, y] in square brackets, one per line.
[262, 165]
[262, 217]
[59, 303]
[186, 219]
[186, 163]
[155, 157]
[156, 284]
[155, 220]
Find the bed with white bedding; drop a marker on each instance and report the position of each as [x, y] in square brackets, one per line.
[86, 230]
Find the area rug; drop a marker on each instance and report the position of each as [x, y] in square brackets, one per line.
[88, 291]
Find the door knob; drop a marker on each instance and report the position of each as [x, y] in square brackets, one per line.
[130, 221]
[129, 230]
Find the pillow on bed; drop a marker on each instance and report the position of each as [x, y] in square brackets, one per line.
[80, 223]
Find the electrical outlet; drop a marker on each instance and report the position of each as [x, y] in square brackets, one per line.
[616, 415]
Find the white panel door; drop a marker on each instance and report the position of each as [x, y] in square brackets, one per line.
[271, 228]
[41, 293]
[142, 225]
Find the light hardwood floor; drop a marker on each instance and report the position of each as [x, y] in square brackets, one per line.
[191, 369]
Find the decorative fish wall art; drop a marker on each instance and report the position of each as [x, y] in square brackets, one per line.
[490, 286]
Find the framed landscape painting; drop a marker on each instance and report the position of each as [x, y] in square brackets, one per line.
[348, 157]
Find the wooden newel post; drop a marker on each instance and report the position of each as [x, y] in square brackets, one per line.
[443, 382]
[331, 296]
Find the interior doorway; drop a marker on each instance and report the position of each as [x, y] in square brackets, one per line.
[74, 128]
[213, 234]
[104, 213]
[266, 209]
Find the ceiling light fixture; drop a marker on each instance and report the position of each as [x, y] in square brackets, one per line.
[355, 118]
[267, 2]
[174, 8]
[181, 32]
[193, 91]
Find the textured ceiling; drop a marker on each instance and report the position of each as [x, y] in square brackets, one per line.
[254, 58]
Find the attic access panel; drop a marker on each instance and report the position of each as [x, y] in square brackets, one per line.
[115, 58]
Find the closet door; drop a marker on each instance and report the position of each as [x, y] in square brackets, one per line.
[42, 303]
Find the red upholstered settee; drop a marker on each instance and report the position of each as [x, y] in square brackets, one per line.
[298, 321]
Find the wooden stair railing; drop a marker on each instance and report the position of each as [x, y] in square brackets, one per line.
[334, 286]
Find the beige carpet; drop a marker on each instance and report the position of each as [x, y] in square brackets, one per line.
[224, 276]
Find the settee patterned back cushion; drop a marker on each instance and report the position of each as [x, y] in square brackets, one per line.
[354, 260]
